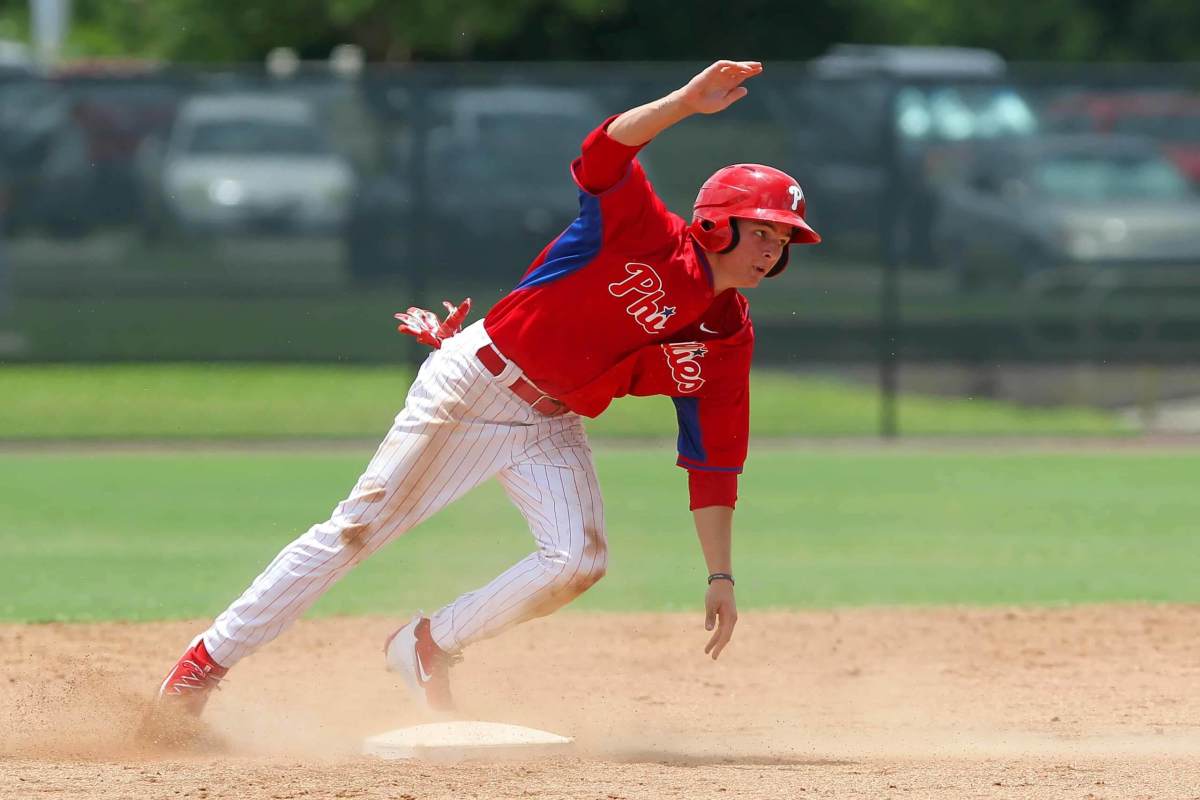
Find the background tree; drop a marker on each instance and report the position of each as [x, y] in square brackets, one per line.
[224, 31]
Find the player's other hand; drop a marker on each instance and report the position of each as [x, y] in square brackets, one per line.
[720, 615]
[718, 86]
[426, 328]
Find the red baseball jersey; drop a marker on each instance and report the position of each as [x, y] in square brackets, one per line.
[621, 303]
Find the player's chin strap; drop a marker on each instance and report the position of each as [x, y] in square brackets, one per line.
[426, 328]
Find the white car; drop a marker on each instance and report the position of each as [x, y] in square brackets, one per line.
[253, 163]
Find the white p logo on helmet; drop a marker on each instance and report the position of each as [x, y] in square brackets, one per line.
[796, 194]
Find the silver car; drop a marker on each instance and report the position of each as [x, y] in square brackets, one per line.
[244, 162]
[1030, 205]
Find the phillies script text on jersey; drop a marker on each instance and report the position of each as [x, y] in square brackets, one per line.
[682, 361]
[646, 287]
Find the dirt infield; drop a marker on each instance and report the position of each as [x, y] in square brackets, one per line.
[1089, 702]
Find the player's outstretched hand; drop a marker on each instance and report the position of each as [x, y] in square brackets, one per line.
[720, 611]
[426, 328]
[718, 86]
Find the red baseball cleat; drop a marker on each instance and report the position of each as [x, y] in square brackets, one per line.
[188, 685]
[424, 666]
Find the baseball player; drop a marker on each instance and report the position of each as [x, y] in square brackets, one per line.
[628, 300]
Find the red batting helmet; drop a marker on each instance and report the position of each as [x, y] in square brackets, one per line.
[749, 191]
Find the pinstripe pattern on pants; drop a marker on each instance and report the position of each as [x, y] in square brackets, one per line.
[459, 427]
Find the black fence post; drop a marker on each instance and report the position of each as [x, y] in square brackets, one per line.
[415, 271]
[889, 290]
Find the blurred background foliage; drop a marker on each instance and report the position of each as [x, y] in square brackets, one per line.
[223, 31]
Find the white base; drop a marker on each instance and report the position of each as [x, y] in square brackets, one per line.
[458, 740]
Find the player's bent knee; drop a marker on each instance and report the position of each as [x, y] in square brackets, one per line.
[581, 575]
[589, 578]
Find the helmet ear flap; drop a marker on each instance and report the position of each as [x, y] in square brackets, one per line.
[713, 238]
[734, 235]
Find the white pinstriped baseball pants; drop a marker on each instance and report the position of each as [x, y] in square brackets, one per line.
[460, 426]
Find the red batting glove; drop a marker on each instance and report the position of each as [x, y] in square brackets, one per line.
[425, 327]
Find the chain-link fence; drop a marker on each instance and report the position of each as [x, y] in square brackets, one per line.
[998, 230]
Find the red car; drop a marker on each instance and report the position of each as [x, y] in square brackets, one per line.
[115, 106]
[1170, 117]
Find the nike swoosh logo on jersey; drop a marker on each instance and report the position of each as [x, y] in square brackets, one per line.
[705, 329]
[424, 676]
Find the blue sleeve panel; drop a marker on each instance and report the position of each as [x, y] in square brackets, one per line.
[691, 443]
[575, 247]
[692, 453]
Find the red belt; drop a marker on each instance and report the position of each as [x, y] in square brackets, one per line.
[538, 400]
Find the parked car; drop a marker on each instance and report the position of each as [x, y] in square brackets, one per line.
[946, 99]
[497, 175]
[69, 142]
[246, 163]
[1082, 200]
[114, 116]
[51, 180]
[500, 161]
[1169, 116]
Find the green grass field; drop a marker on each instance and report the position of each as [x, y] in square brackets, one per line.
[97, 535]
[199, 401]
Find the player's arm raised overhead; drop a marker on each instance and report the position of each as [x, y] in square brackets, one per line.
[713, 90]
[624, 202]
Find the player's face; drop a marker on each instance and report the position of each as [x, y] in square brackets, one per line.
[760, 244]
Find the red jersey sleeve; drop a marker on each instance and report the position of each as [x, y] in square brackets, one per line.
[713, 440]
[608, 173]
[603, 161]
[712, 489]
[618, 212]
[709, 383]
[714, 418]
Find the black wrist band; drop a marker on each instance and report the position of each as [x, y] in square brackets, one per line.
[721, 576]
